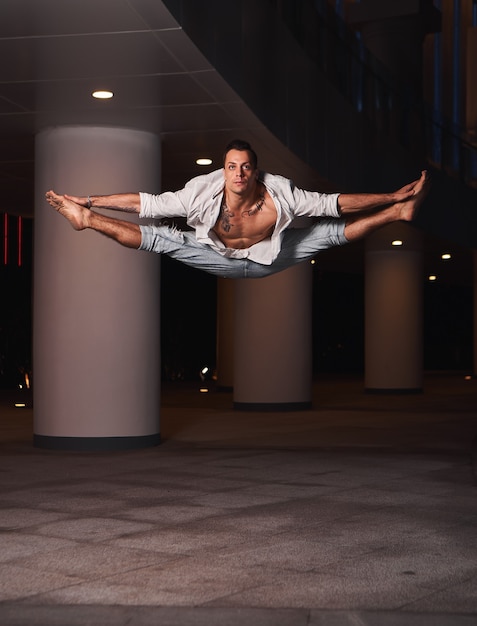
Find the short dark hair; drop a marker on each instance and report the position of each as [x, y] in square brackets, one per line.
[240, 144]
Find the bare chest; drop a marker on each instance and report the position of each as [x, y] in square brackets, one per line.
[244, 226]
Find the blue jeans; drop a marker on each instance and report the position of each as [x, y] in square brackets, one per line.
[298, 244]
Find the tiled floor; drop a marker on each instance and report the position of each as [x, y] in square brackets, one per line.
[362, 511]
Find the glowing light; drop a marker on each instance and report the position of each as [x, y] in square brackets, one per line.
[396, 242]
[432, 277]
[467, 377]
[204, 390]
[204, 161]
[312, 261]
[20, 405]
[102, 94]
[446, 256]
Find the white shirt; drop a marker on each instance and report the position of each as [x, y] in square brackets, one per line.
[200, 201]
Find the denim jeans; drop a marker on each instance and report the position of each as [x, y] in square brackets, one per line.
[298, 244]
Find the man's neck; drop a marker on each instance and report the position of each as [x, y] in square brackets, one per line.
[240, 202]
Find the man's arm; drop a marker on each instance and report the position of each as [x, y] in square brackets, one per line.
[356, 202]
[128, 202]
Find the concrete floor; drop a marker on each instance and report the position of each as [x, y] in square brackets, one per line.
[362, 511]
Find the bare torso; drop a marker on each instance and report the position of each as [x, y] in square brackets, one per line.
[245, 225]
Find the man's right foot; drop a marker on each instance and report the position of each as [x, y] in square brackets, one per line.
[74, 213]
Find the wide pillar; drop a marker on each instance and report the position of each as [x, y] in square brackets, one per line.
[273, 341]
[393, 311]
[96, 304]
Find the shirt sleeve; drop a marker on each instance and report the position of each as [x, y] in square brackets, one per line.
[167, 204]
[191, 202]
[314, 203]
[298, 202]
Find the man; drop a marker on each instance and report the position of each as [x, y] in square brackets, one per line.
[241, 217]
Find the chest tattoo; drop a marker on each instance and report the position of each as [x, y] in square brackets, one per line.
[226, 214]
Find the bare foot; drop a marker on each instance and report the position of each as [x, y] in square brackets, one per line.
[408, 209]
[74, 213]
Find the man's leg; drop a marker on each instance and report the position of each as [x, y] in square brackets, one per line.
[81, 218]
[303, 244]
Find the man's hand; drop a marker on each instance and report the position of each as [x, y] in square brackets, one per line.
[409, 190]
[81, 200]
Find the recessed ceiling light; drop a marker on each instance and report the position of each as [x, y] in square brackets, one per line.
[102, 94]
[204, 161]
[446, 256]
[432, 277]
[396, 242]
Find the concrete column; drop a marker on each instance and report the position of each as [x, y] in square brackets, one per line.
[96, 372]
[393, 311]
[225, 333]
[273, 335]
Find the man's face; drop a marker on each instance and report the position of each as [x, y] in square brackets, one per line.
[240, 175]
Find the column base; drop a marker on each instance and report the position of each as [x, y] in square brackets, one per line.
[95, 444]
[272, 406]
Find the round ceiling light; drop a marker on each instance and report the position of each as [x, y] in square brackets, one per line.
[204, 161]
[102, 94]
